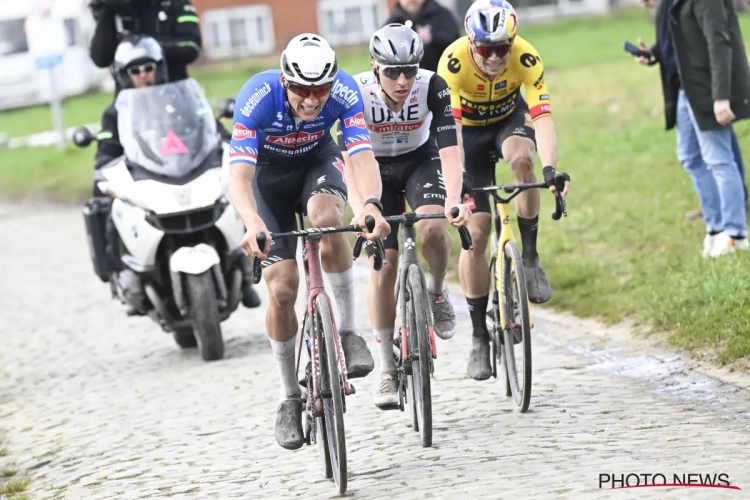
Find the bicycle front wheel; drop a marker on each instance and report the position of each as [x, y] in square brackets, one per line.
[332, 392]
[496, 329]
[517, 328]
[420, 353]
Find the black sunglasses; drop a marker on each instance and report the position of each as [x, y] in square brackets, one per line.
[393, 72]
[143, 68]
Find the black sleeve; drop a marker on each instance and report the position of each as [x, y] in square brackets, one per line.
[184, 43]
[439, 103]
[340, 137]
[104, 41]
[108, 140]
[445, 30]
[713, 19]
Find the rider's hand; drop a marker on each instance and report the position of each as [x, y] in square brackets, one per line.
[723, 112]
[646, 61]
[382, 228]
[549, 180]
[463, 215]
[249, 243]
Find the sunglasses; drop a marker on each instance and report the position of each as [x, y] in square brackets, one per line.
[393, 72]
[143, 68]
[317, 92]
[486, 50]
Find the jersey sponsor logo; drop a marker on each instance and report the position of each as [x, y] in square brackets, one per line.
[447, 127]
[241, 132]
[396, 127]
[444, 93]
[255, 99]
[539, 82]
[483, 110]
[357, 120]
[501, 85]
[541, 109]
[414, 98]
[293, 140]
[448, 110]
[529, 60]
[544, 97]
[408, 113]
[344, 94]
[480, 86]
[454, 65]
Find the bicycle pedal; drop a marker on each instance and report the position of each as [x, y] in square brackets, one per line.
[389, 407]
[352, 390]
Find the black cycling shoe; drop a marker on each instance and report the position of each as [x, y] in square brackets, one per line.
[250, 297]
[537, 285]
[359, 361]
[479, 367]
[288, 430]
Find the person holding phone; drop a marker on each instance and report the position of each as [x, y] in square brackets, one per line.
[706, 85]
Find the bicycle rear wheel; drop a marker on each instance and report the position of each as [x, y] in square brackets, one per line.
[515, 301]
[420, 354]
[496, 330]
[332, 392]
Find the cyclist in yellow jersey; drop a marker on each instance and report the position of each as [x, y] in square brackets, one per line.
[485, 71]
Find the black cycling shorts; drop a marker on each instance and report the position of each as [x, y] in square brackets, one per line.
[483, 146]
[419, 175]
[284, 187]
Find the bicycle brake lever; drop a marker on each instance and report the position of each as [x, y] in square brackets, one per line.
[257, 270]
[465, 235]
[380, 259]
[358, 242]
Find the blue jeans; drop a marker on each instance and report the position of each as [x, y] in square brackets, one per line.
[738, 159]
[708, 157]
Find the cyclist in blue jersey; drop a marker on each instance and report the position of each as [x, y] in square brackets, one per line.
[282, 157]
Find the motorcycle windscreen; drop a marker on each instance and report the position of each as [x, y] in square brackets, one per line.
[166, 129]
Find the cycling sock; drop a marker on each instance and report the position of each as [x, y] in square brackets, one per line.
[285, 365]
[384, 337]
[528, 228]
[478, 313]
[436, 283]
[342, 287]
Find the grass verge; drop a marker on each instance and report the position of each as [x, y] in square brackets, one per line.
[625, 250]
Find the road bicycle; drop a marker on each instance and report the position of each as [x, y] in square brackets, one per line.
[325, 373]
[509, 313]
[414, 345]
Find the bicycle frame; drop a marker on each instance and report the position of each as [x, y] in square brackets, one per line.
[314, 286]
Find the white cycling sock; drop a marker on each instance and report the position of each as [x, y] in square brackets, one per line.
[384, 336]
[342, 288]
[436, 283]
[284, 352]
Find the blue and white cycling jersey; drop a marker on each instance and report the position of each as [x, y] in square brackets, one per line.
[264, 126]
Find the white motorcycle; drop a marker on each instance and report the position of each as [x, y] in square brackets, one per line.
[176, 236]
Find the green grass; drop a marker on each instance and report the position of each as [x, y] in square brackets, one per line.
[625, 250]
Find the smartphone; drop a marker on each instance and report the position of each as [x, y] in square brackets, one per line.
[629, 47]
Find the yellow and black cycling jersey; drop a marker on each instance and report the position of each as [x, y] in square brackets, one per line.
[478, 100]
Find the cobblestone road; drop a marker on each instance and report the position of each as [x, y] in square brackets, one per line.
[98, 406]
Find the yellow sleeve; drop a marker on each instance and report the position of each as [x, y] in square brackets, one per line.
[450, 68]
[537, 95]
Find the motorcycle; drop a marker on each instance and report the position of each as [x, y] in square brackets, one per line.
[169, 229]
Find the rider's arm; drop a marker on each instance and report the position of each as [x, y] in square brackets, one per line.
[243, 149]
[108, 141]
[184, 43]
[537, 97]
[354, 198]
[451, 73]
[439, 103]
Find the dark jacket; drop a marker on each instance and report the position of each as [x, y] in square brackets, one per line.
[173, 23]
[711, 60]
[108, 141]
[443, 26]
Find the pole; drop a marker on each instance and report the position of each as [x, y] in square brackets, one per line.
[56, 106]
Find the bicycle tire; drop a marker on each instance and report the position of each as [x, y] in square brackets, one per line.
[498, 352]
[513, 272]
[420, 321]
[333, 407]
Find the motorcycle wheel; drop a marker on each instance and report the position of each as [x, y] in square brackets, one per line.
[185, 338]
[204, 311]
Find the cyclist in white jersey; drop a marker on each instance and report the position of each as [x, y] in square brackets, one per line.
[400, 104]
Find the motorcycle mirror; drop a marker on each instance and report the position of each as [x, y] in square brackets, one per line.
[82, 137]
[226, 110]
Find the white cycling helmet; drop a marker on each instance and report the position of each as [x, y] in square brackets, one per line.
[309, 60]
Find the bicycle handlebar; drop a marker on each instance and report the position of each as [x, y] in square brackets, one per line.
[515, 189]
[412, 217]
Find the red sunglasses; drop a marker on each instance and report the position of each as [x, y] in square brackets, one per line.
[317, 92]
[486, 50]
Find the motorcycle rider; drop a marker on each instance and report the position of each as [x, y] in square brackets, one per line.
[139, 61]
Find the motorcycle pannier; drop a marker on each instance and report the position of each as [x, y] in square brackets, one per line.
[95, 213]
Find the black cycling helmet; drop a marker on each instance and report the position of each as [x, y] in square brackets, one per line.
[136, 50]
[396, 45]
